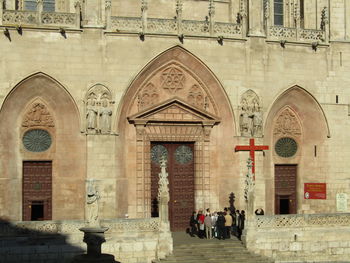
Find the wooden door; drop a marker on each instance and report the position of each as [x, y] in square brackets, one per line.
[285, 189]
[180, 168]
[37, 190]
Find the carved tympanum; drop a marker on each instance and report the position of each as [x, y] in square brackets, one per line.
[173, 79]
[38, 115]
[148, 96]
[287, 124]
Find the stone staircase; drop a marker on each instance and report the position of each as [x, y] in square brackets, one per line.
[219, 251]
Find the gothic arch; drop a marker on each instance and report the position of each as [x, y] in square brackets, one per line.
[193, 85]
[307, 125]
[67, 155]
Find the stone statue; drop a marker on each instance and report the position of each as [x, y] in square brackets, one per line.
[257, 121]
[105, 116]
[91, 114]
[163, 193]
[245, 121]
[92, 197]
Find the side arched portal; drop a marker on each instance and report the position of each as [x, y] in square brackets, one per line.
[176, 99]
[297, 130]
[41, 107]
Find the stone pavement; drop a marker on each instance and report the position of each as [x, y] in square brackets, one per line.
[192, 250]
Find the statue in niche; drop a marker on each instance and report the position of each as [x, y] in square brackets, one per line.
[257, 120]
[105, 115]
[92, 197]
[251, 117]
[91, 113]
[245, 120]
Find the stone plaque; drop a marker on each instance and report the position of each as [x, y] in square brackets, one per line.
[342, 202]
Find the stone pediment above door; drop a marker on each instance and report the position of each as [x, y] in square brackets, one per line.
[174, 111]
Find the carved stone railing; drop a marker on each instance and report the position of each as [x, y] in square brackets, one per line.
[69, 227]
[52, 18]
[287, 221]
[175, 27]
[15, 17]
[296, 34]
[35, 18]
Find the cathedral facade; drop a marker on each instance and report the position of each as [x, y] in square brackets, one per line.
[102, 90]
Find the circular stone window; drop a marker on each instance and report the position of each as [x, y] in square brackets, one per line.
[157, 152]
[183, 154]
[286, 147]
[37, 140]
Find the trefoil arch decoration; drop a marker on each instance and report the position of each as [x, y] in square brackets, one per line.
[98, 110]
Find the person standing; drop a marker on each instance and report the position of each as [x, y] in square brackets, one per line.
[228, 225]
[193, 223]
[200, 219]
[220, 224]
[241, 224]
[208, 225]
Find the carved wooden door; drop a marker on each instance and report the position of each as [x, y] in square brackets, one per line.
[285, 189]
[180, 168]
[37, 190]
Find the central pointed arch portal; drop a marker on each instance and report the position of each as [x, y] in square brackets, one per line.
[175, 99]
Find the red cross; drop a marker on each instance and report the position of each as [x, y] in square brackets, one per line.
[251, 148]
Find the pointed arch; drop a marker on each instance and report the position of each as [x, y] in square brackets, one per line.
[304, 104]
[66, 154]
[185, 60]
[175, 73]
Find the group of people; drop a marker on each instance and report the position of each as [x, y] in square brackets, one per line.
[219, 225]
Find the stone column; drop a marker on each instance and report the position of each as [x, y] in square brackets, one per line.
[325, 23]
[39, 8]
[144, 8]
[243, 16]
[256, 18]
[1, 10]
[108, 7]
[165, 242]
[266, 17]
[211, 17]
[179, 17]
[77, 6]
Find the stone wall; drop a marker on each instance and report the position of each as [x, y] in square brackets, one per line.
[129, 240]
[300, 238]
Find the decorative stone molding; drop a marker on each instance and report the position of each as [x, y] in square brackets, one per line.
[287, 124]
[38, 115]
[148, 96]
[300, 220]
[197, 98]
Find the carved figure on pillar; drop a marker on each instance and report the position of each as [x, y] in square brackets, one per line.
[91, 114]
[92, 197]
[163, 191]
[105, 116]
[245, 121]
[249, 188]
[257, 120]
[251, 118]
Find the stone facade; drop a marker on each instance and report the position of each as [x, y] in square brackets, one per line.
[113, 76]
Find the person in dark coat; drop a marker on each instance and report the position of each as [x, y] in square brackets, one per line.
[220, 224]
[193, 224]
[241, 224]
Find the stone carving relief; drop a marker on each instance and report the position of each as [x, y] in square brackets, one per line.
[148, 96]
[287, 124]
[173, 80]
[197, 98]
[98, 112]
[38, 115]
[251, 116]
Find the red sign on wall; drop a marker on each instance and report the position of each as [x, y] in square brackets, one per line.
[315, 191]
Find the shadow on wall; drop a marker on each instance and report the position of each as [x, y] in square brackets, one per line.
[18, 243]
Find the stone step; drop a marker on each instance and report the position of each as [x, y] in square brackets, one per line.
[194, 250]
